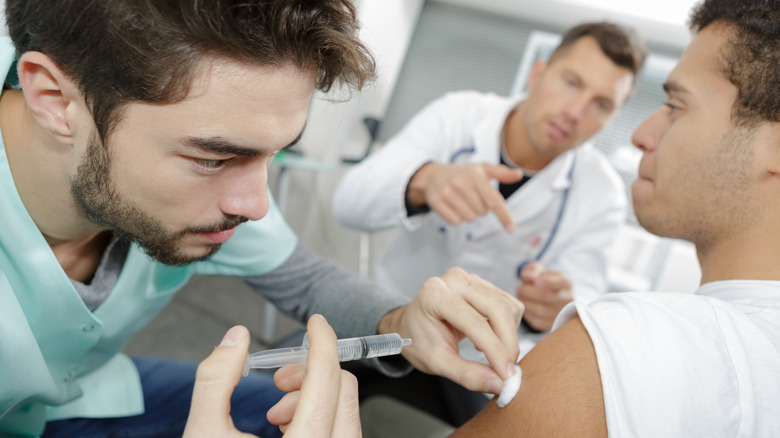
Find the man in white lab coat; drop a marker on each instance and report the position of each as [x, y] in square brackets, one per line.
[452, 179]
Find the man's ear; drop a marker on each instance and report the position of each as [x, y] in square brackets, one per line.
[50, 95]
[773, 140]
[536, 72]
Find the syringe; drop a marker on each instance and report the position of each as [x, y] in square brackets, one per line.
[363, 347]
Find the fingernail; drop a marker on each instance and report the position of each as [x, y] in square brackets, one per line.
[510, 369]
[232, 337]
[494, 386]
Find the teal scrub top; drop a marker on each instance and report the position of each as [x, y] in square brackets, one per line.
[60, 360]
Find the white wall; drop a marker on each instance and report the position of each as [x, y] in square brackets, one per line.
[661, 22]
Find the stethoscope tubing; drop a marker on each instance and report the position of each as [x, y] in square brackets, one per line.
[558, 219]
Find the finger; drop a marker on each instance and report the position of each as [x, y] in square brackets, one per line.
[289, 378]
[457, 202]
[554, 281]
[531, 295]
[347, 422]
[528, 293]
[444, 210]
[215, 380]
[317, 405]
[503, 312]
[532, 271]
[488, 316]
[282, 412]
[503, 173]
[468, 190]
[540, 317]
[497, 204]
[473, 376]
[539, 311]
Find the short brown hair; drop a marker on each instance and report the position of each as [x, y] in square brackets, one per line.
[751, 59]
[119, 51]
[620, 44]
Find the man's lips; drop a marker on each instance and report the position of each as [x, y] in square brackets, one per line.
[644, 171]
[219, 236]
[556, 132]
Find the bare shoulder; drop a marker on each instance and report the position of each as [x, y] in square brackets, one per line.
[560, 394]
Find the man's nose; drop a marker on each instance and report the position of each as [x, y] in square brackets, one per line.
[248, 196]
[576, 108]
[647, 135]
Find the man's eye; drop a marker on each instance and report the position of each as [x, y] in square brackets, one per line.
[604, 106]
[672, 108]
[212, 164]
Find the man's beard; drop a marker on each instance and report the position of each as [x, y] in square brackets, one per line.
[98, 201]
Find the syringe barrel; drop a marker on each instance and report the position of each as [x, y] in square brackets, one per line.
[369, 346]
[348, 349]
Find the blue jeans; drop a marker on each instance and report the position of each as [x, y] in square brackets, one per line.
[167, 387]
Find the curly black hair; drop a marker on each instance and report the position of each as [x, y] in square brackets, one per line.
[751, 60]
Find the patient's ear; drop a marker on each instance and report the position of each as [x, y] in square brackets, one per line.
[771, 136]
[52, 97]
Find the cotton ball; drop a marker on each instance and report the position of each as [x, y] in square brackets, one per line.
[511, 386]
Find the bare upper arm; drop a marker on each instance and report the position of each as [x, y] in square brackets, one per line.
[560, 394]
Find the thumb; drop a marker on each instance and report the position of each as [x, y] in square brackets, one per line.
[503, 173]
[531, 272]
[215, 380]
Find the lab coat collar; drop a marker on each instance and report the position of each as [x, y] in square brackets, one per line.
[561, 167]
[488, 133]
[544, 189]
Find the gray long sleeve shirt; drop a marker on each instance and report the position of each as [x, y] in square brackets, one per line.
[303, 285]
[306, 284]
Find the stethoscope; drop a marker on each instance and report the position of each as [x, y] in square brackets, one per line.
[557, 222]
[558, 218]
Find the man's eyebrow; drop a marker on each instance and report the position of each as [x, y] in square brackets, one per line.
[220, 145]
[674, 87]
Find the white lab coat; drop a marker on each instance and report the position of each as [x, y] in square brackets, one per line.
[371, 197]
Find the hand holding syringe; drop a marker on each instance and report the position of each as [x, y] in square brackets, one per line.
[363, 347]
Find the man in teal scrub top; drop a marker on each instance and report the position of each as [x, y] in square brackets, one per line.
[136, 139]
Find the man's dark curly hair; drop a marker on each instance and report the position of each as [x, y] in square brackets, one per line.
[751, 60]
